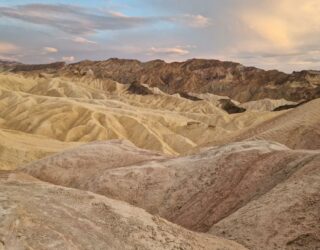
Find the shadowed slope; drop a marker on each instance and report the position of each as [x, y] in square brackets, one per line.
[287, 217]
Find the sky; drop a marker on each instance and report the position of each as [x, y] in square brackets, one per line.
[270, 34]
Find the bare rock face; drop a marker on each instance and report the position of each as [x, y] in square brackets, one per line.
[38, 215]
[230, 107]
[207, 76]
[199, 191]
[139, 89]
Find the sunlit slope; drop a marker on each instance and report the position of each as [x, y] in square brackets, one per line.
[17, 148]
[61, 111]
[297, 128]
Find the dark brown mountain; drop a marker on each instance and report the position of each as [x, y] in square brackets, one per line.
[37, 67]
[199, 76]
[8, 65]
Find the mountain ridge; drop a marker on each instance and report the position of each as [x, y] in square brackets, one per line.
[223, 78]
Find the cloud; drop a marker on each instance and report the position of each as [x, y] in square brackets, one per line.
[68, 58]
[50, 50]
[280, 34]
[7, 47]
[117, 14]
[168, 51]
[283, 24]
[7, 58]
[78, 20]
[195, 21]
[73, 19]
[82, 40]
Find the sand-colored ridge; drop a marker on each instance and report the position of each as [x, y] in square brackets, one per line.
[297, 128]
[266, 104]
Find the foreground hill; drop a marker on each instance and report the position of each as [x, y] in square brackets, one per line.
[200, 190]
[38, 215]
[287, 217]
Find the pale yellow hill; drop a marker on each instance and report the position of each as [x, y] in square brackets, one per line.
[17, 148]
[266, 104]
[70, 110]
[81, 110]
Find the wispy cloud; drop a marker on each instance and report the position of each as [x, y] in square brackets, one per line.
[72, 19]
[9, 51]
[68, 58]
[82, 40]
[195, 21]
[7, 47]
[168, 51]
[78, 20]
[284, 25]
[50, 50]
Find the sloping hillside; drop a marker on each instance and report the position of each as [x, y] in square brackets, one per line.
[200, 190]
